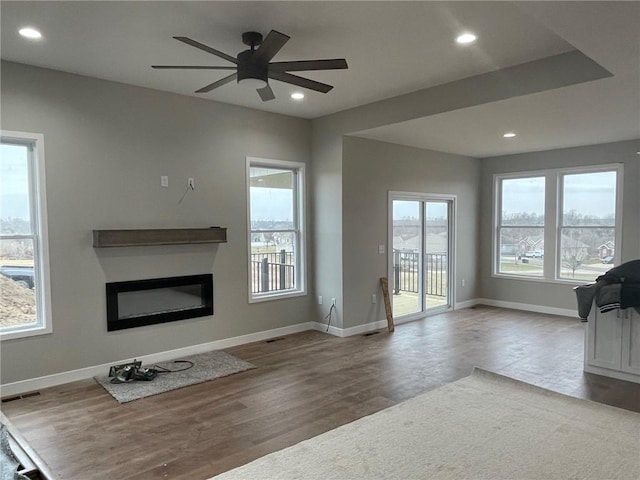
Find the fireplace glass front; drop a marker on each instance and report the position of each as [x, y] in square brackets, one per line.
[158, 300]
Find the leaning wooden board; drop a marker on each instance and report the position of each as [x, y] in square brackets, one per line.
[387, 303]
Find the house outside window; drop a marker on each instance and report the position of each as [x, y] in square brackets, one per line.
[577, 212]
[275, 206]
[24, 273]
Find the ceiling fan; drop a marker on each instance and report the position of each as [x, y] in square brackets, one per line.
[253, 66]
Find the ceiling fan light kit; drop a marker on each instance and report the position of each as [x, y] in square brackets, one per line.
[252, 82]
[254, 67]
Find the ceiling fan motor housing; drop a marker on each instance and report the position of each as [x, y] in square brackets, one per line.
[250, 68]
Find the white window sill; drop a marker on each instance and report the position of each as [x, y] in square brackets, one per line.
[11, 333]
[560, 281]
[276, 296]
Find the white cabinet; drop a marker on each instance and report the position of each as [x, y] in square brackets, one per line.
[612, 344]
[631, 343]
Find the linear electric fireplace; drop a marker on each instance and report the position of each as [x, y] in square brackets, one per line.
[158, 300]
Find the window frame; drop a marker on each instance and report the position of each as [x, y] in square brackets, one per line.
[618, 168]
[39, 234]
[299, 230]
[554, 181]
[498, 226]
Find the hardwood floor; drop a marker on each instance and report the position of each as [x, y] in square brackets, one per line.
[305, 384]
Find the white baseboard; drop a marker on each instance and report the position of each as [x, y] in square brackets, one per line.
[369, 327]
[359, 329]
[32, 384]
[322, 327]
[350, 331]
[565, 312]
[466, 304]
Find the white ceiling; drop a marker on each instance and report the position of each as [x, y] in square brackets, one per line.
[605, 110]
[391, 48]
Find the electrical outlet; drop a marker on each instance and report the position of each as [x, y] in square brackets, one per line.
[381, 249]
[374, 299]
[191, 183]
[164, 181]
[319, 299]
[333, 302]
[463, 282]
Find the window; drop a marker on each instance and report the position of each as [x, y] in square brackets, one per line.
[581, 227]
[24, 285]
[521, 226]
[276, 229]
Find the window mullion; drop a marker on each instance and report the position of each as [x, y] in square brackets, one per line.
[553, 201]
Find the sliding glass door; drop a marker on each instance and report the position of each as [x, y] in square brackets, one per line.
[406, 281]
[421, 255]
[436, 254]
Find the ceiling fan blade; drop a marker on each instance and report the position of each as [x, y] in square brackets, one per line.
[217, 84]
[266, 93]
[302, 65]
[301, 82]
[206, 48]
[191, 67]
[270, 46]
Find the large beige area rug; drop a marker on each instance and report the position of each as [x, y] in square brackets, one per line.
[484, 426]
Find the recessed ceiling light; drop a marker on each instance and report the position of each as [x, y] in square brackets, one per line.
[29, 32]
[509, 135]
[297, 95]
[466, 38]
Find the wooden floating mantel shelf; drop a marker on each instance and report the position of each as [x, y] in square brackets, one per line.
[160, 236]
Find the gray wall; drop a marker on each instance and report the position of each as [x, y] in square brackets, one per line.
[556, 294]
[106, 146]
[327, 220]
[370, 170]
[327, 143]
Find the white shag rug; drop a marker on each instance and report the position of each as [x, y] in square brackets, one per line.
[206, 366]
[484, 426]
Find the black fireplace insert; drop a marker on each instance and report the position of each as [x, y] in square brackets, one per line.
[158, 300]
